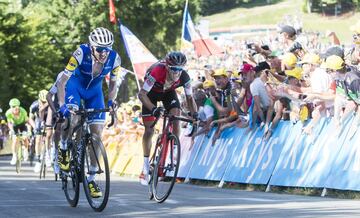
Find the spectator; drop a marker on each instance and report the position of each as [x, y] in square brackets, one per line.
[262, 108]
[209, 111]
[337, 68]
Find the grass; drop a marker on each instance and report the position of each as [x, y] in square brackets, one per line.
[272, 14]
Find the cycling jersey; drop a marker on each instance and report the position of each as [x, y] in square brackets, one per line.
[22, 118]
[34, 108]
[155, 80]
[352, 84]
[86, 76]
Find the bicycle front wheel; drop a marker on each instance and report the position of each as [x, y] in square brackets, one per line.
[166, 168]
[96, 174]
[70, 181]
[18, 159]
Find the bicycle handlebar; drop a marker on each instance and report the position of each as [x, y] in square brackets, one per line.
[86, 112]
[173, 117]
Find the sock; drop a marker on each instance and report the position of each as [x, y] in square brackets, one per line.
[146, 167]
[63, 145]
[91, 176]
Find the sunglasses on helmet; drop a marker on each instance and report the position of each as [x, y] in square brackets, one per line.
[175, 68]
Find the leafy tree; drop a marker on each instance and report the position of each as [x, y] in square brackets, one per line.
[37, 39]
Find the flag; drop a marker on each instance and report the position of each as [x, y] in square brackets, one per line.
[140, 57]
[112, 12]
[204, 46]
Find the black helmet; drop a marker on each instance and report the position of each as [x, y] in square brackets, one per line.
[175, 58]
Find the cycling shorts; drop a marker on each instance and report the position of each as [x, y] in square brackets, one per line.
[169, 99]
[20, 128]
[92, 97]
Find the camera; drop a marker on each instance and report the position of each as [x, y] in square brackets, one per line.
[250, 46]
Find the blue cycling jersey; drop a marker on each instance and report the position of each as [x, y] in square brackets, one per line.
[82, 66]
[85, 82]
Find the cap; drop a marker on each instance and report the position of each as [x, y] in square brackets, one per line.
[289, 30]
[295, 46]
[289, 59]
[334, 50]
[246, 68]
[296, 72]
[334, 62]
[208, 84]
[262, 66]
[220, 72]
[310, 58]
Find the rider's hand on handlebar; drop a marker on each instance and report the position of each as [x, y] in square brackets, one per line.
[156, 111]
[64, 111]
[112, 104]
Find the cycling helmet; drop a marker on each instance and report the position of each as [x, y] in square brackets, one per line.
[175, 58]
[14, 102]
[101, 37]
[42, 95]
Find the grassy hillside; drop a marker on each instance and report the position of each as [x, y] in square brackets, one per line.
[272, 14]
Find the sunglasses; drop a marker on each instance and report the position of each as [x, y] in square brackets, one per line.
[175, 68]
[102, 49]
[14, 106]
[356, 36]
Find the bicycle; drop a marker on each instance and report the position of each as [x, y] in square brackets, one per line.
[43, 166]
[81, 146]
[165, 161]
[19, 151]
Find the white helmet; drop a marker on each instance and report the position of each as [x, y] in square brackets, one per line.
[101, 37]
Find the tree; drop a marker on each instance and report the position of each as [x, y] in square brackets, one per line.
[38, 38]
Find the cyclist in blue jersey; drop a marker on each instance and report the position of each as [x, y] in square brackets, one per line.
[82, 80]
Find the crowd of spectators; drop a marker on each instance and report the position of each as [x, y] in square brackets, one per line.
[288, 75]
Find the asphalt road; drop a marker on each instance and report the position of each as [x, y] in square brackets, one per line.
[25, 195]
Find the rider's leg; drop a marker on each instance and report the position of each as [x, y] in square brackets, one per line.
[96, 130]
[66, 130]
[176, 123]
[14, 149]
[146, 143]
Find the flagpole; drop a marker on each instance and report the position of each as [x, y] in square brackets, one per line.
[136, 78]
[183, 25]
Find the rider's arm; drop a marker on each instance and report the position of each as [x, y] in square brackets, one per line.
[73, 63]
[113, 78]
[142, 95]
[189, 99]
[49, 97]
[61, 87]
[28, 120]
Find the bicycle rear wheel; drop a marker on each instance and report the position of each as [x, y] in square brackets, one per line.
[166, 168]
[43, 166]
[96, 170]
[70, 180]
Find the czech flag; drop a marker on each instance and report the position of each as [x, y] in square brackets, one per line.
[140, 57]
[204, 46]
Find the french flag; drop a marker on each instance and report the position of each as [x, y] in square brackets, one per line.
[204, 46]
[141, 58]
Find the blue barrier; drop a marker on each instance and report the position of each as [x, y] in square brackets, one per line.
[327, 158]
[187, 154]
[323, 155]
[256, 157]
[295, 160]
[212, 160]
[345, 171]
